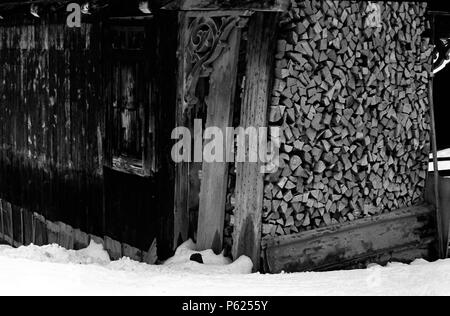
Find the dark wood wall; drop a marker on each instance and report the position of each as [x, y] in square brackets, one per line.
[51, 120]
[56, 88]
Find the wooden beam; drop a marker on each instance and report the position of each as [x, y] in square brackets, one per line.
[215, 174]
[405, 234]
[250, 182]
[164, 103]
[181, 200]
[256, 5]
[7, 233]
[443, 249]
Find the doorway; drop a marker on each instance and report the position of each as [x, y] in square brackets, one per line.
[213, 67]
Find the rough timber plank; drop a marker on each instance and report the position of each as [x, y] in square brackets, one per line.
[334, 246]
[40, 230]
[215, 174]
[2, 232]
[28, 228]
[7, 222]
[181, 208]
[250, 182]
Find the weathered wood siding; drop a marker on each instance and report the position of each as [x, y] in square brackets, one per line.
[52, 120]
[400, 236]
[56, 87]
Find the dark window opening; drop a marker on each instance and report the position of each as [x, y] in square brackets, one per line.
[130, 114]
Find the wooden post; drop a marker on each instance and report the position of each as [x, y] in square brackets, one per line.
[8, 232]
[181, 207]
[2, 231]
[442, 253]
[443, 249]
[215, 174]
[250, 181]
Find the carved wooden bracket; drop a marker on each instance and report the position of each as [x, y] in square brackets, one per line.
[208, 39]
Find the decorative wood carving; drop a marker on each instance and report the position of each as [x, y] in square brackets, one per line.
[208, 39]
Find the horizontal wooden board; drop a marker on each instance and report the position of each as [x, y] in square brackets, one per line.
[57, 85]
[401, 235]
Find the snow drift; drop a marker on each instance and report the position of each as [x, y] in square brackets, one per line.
[96, 254]
[212, 263]
[52, 270]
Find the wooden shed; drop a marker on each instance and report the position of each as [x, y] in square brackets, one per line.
[87, 114]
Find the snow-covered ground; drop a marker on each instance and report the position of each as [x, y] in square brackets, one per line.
[51, 270]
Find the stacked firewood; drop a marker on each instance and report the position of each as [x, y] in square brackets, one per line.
[351, 97]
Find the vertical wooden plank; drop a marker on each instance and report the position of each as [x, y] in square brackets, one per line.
[17, 224]
[65, 238]
[215, 174]
[22, 225]
[131, 252]
[113, 247]
[181, 208]
[27, 227]
[150, 127]
[8, 222]
[81, 239]
[40, 230]
[53, 231]
[249, 182]
[442, 238]
[164, 84]
[2, 231]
